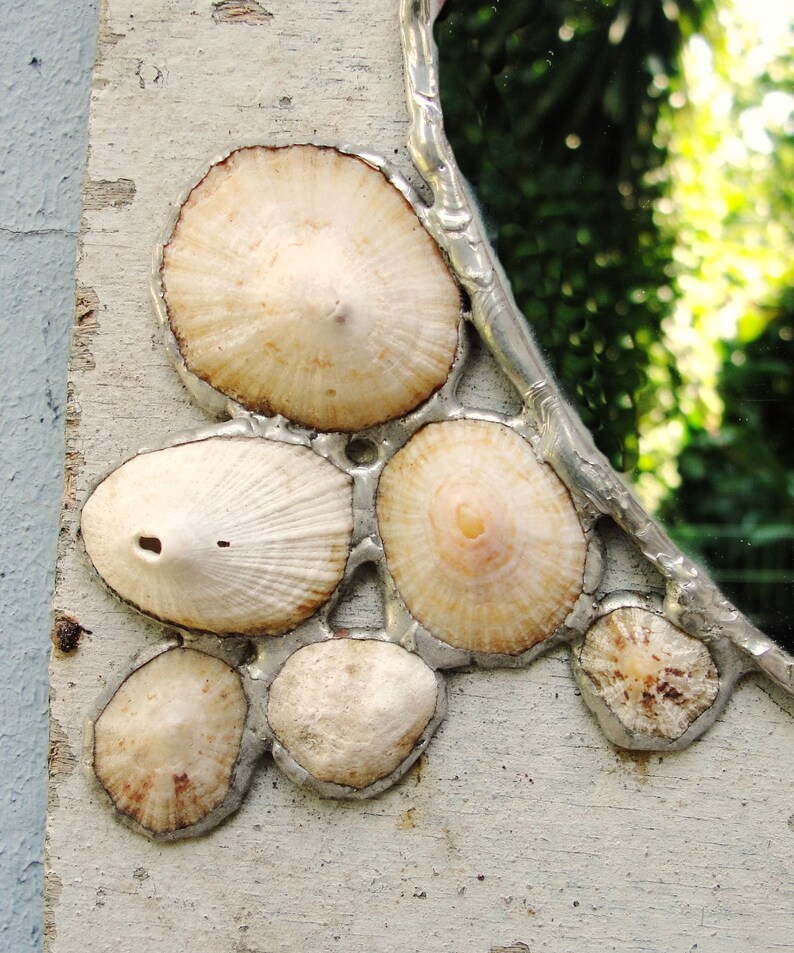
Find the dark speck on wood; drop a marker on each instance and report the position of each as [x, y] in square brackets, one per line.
[67, 632]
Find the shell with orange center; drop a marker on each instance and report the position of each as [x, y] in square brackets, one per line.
[482, 540]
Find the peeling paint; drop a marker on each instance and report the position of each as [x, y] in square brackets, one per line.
[74, 460]
[86, 325]
[53, 887]
[240, 11]
[62, 759]
[86, 306]
[107, 38]
[74, 455]
[107, 193]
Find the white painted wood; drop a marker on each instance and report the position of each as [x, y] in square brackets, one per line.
[521, 824]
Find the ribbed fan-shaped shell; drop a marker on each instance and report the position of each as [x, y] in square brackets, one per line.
[166, 744]
[482, 540]
[300, 281]
[350, 711]
[223, 535]
[655, 678]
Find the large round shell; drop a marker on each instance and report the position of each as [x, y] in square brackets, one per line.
[222, 535]
[350, 711]
[482, 540]
[166, 744]
[655, 678]
[299, 281]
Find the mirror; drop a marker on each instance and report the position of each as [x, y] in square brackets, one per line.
[634, 162]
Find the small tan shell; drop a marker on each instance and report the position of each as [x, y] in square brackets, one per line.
[482, 540]
[299, 281]
[350, 711]
[166, 744]
[226, 535]
[655, 678]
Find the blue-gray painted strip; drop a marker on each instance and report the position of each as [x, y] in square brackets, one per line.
[46, 55]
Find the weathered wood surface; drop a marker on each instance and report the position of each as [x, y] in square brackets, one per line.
[521, 828]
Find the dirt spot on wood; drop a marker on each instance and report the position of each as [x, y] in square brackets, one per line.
[66, 633]
[638, 760]
[408, 820]
[417, 769]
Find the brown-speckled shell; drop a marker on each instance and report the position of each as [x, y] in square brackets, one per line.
[655, 678]
[166, 744]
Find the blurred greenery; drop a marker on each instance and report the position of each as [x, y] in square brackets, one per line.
[743, 473]
[734, 508]
[635, 164]
[551, 108]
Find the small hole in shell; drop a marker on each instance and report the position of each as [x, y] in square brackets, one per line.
[151, 544]
[224, 543]
[362, 452]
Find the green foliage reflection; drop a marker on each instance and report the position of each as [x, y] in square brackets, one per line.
[552, 109]
[635, 159]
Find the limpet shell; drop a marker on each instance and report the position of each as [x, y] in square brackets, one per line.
[351, 711]
[482, 540]
[299, 281]
[225, 535]
[655, 678]
[165, 746]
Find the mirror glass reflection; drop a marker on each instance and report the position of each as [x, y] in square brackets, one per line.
[634, 160]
